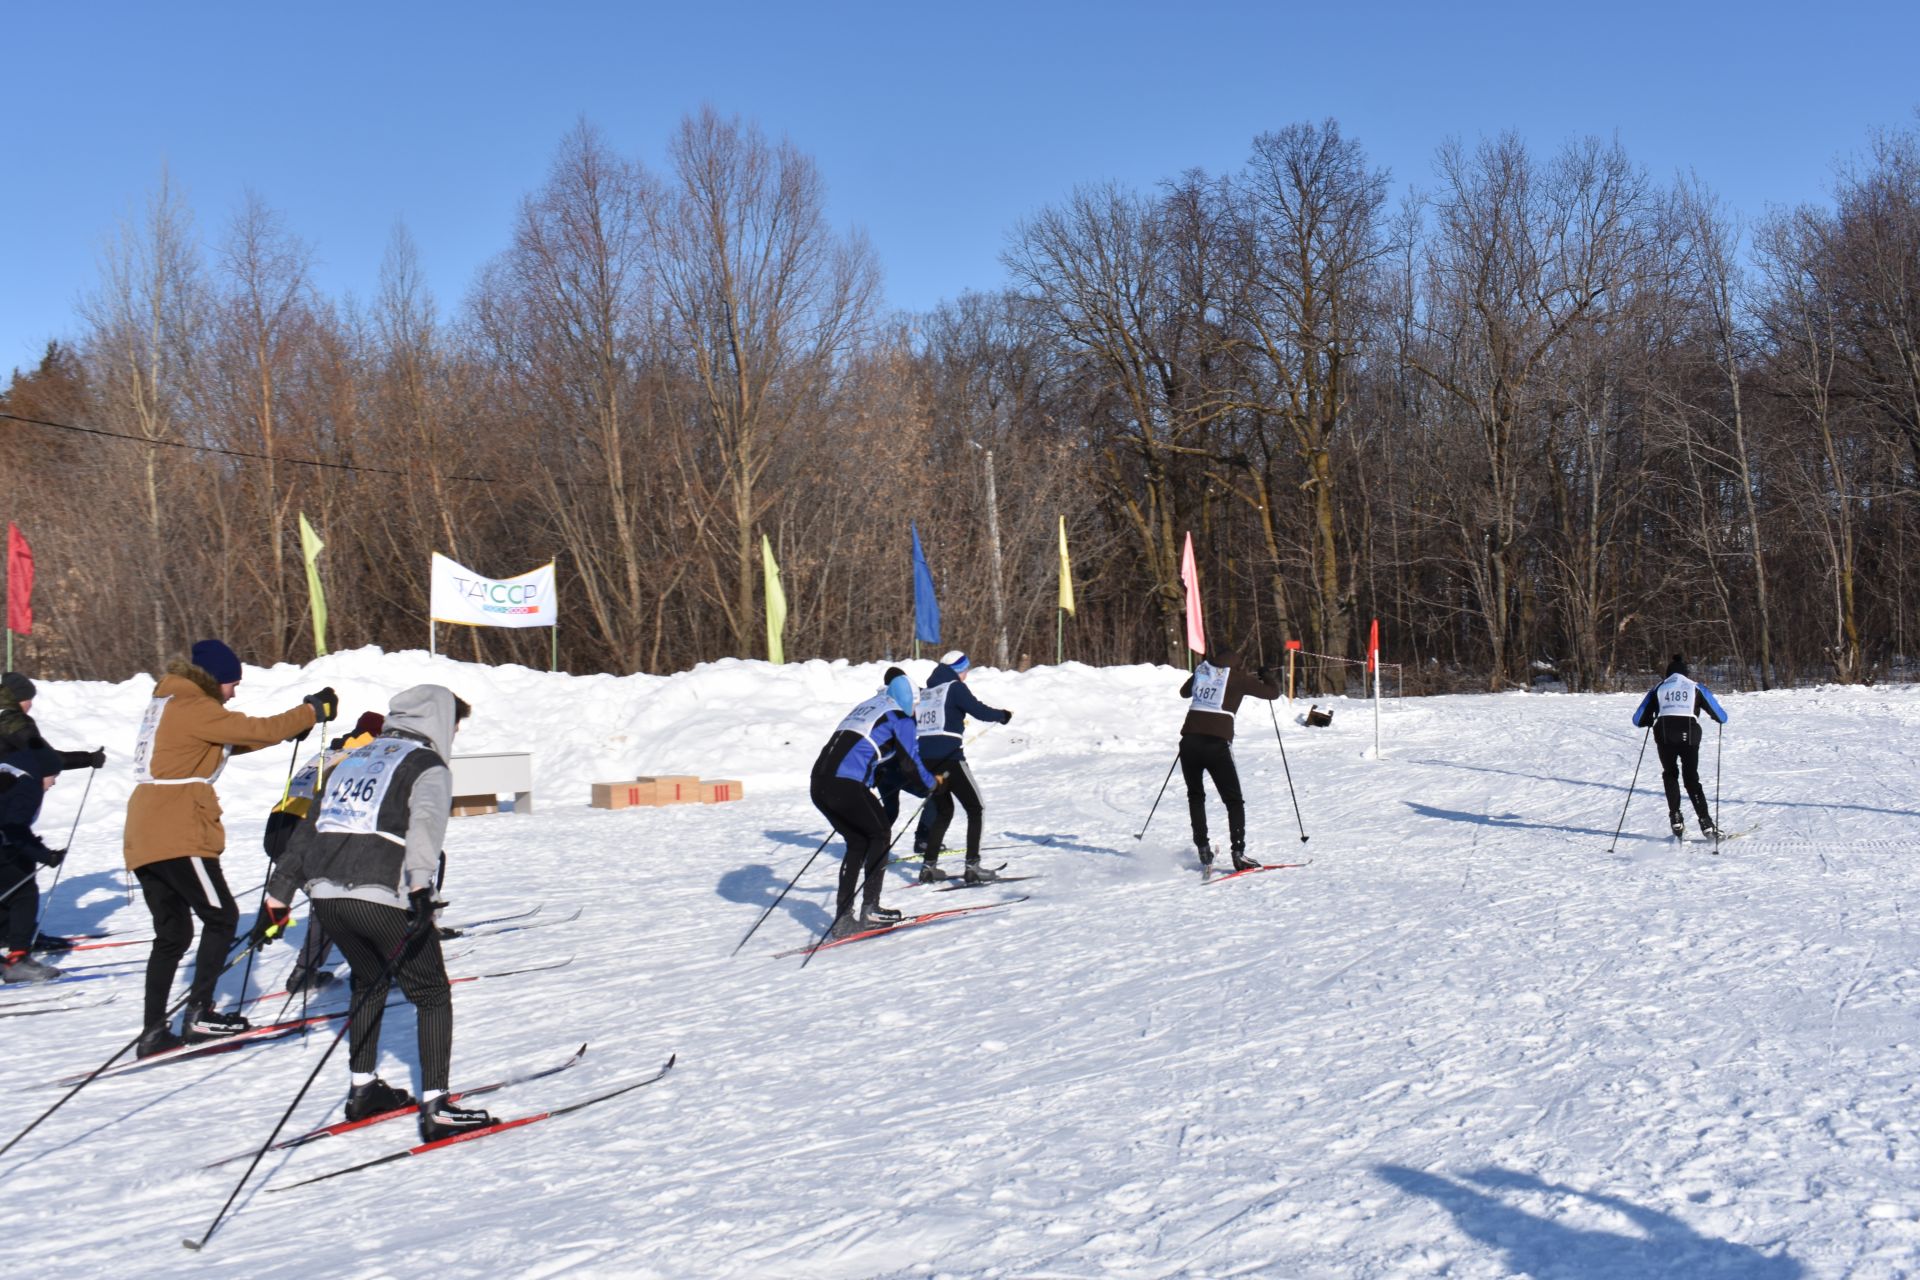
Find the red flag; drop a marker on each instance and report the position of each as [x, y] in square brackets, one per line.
[19, 582]
[1373, 646]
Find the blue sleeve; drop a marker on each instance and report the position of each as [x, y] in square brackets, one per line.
[900, 726]
[1714, 708]
[1640, 717]
[974, 707]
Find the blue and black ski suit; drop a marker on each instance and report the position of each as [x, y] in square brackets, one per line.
[940, 716]
[873, 734]
[1672, 708]
[22, 852]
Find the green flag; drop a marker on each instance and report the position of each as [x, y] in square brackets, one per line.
[311, 547]
[776, 604]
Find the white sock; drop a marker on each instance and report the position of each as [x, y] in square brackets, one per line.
[362, 1077]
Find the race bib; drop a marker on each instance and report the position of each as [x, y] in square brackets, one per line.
[864, 717]
[1210, 688]
[1676, 696]
[359, 786]
[930, 711]
[149, 730]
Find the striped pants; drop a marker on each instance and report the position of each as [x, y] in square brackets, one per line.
[369, 935]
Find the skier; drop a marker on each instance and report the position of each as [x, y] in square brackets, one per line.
[366, 861]
[872, 733]
[940, 719]
[310, 970]
[1206, 746]
[1672, 707]
[31, 773]
[18, 732]
[174, 838]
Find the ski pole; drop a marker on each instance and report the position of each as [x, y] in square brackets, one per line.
[407, 940]
[1156, 800]
[1630, 786]
[783, 893]
[1298, 821]
[57, 871]
[165, 1018]
[1719, 740]
[293, 758]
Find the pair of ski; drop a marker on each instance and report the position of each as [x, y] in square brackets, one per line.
[95, 941]
[1208, 877]
[274, 1030]
[905, 922]
[953, 884]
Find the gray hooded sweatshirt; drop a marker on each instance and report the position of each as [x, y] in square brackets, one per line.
[403, 854]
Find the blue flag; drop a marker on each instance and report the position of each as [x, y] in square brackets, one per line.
[926, 610]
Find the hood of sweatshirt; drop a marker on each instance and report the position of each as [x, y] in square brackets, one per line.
[425, 711]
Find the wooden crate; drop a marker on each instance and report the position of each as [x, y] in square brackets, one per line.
[720, 790]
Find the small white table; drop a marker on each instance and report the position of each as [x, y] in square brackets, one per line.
[495, 773]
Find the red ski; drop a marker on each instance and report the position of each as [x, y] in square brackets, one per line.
[906, 922]
[1266, 866]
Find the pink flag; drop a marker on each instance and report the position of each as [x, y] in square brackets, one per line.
[1196, 633]
[19, 582]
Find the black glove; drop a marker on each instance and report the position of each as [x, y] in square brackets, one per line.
[99, 758]
[269, 924]
[1006, 717]
[325, 704]
[50, 857]
[420, 909]
[83, 759]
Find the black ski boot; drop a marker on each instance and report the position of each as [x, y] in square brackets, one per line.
[159, 1039]
[878, 917]
[202, 1025]
[1205, 851]
[845, 925]
[930, 871]
[1241, 862]
[309, 979]
[18, 966]
[977, 874]
[1679, 827]
[53, 942]
[441, 1119]
[1708, 828]
[375, 1098]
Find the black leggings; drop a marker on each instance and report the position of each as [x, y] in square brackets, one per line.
[177, 890]
[19, 910]
[1204, 754]
[856, 815]
[369, 935]
[1681, 757]
[938, 814]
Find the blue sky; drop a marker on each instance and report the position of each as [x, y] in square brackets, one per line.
[937, 127]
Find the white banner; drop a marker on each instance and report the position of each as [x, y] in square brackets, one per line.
[463, 597]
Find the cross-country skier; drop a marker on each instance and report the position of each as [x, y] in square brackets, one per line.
[174, 838]
[843, 775]
[366, 861]
[18, 732]
[940, 720]
[1672, 707]
[1206, 746]
[32, 773]
[310, 970]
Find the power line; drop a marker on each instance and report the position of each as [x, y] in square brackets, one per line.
[231, 453]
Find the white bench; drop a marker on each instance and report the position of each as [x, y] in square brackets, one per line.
[496, 773]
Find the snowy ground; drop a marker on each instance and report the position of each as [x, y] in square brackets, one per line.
[1466, 1041]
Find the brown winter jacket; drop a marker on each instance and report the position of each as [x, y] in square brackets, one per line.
[1240, 683]
[183, 820]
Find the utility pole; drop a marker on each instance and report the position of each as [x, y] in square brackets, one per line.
[993, 538]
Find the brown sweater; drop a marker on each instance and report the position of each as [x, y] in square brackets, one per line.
[182, 820]
[1219, 724]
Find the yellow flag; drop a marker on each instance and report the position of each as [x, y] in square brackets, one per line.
[776, 604]
[1066, 571]
[311, 547]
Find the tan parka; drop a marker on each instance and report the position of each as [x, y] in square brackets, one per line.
[182, 819]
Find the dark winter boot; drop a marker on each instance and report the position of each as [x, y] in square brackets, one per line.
[977, 874]
[159, 1040]
[878, 917]
[1679, 827]
[1241, 862]
[441, 1119]
[18, 966]
[202, 1025]
[309, 979]
[1708, 827]
[375, 1098]
[844, 925]
[930, 870]
[1206, 855]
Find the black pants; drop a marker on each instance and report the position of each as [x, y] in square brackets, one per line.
[176, 891]
[19, 910]
[938, 814]
[369, 935]
[1203, 754]
[856, 815]
[1679, 748]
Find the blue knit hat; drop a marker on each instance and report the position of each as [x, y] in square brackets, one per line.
[217, 660]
